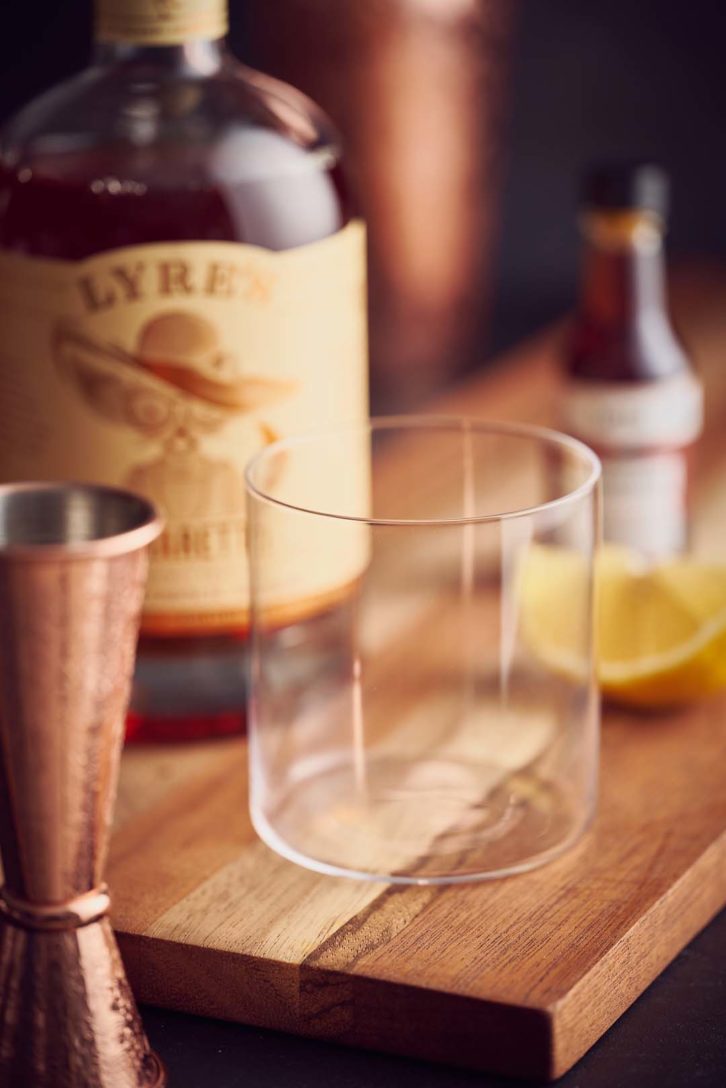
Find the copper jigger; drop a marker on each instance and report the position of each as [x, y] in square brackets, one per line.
[72, 573]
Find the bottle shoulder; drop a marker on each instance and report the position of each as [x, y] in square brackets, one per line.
[135, 154]
[136, 113]
[648, 349]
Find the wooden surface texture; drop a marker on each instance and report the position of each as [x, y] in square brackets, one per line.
[518, 976]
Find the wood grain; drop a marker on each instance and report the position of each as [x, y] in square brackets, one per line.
[519, 976]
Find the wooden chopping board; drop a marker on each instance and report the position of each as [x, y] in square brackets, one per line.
[518, 976]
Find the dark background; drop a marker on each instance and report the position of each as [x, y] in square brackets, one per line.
[644, 78]
[588, 80]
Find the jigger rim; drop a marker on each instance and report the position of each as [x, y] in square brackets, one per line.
[143, 529]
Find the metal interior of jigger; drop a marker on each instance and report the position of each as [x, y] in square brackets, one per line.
[75, 519]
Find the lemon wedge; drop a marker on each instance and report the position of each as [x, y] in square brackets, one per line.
[660, 629]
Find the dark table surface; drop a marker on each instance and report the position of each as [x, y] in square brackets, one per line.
[674, 1036]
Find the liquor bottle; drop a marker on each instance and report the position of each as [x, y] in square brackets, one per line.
[181, 282]
[631, 392]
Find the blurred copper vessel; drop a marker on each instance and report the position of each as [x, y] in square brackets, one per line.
[72, 574]
[418, 90]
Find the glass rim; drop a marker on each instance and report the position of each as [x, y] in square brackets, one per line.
[534, 432]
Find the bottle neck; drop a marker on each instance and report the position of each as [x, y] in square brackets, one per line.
[199, 56]
[187, 35]
[623, 276]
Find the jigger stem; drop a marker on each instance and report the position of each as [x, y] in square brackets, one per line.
[73, 561]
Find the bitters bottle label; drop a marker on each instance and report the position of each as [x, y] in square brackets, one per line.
[642, 432]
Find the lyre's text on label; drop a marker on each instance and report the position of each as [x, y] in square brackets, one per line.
[124, 283]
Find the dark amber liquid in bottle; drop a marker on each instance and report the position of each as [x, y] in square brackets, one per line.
[622, 330]
[75, 205]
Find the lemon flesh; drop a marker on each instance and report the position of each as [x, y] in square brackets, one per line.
[660, 630]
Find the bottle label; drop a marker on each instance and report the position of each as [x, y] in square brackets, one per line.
[163, 369]
[160, 22]
[645, 502]
[641, 431]
[616, 415]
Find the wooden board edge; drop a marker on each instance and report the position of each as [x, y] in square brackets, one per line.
[425, 1024]
[593, 1005]
[211, 982]
[335, 1007]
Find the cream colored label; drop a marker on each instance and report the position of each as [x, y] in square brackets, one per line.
[160, 22]
[617, 415]
[640, 430]
[645, 502]
[163, 368]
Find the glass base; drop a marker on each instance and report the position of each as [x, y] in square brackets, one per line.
[432, 822]
[188, 690]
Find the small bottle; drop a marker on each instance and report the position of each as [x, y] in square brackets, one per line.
[182, 280]
[631, 393]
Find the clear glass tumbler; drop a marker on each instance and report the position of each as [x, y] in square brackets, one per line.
[416, 715]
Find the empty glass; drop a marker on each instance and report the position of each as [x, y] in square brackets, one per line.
[415, 715]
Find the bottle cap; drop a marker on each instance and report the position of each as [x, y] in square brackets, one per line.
[634, 186]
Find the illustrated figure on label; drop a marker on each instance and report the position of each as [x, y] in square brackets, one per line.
[177, 386]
